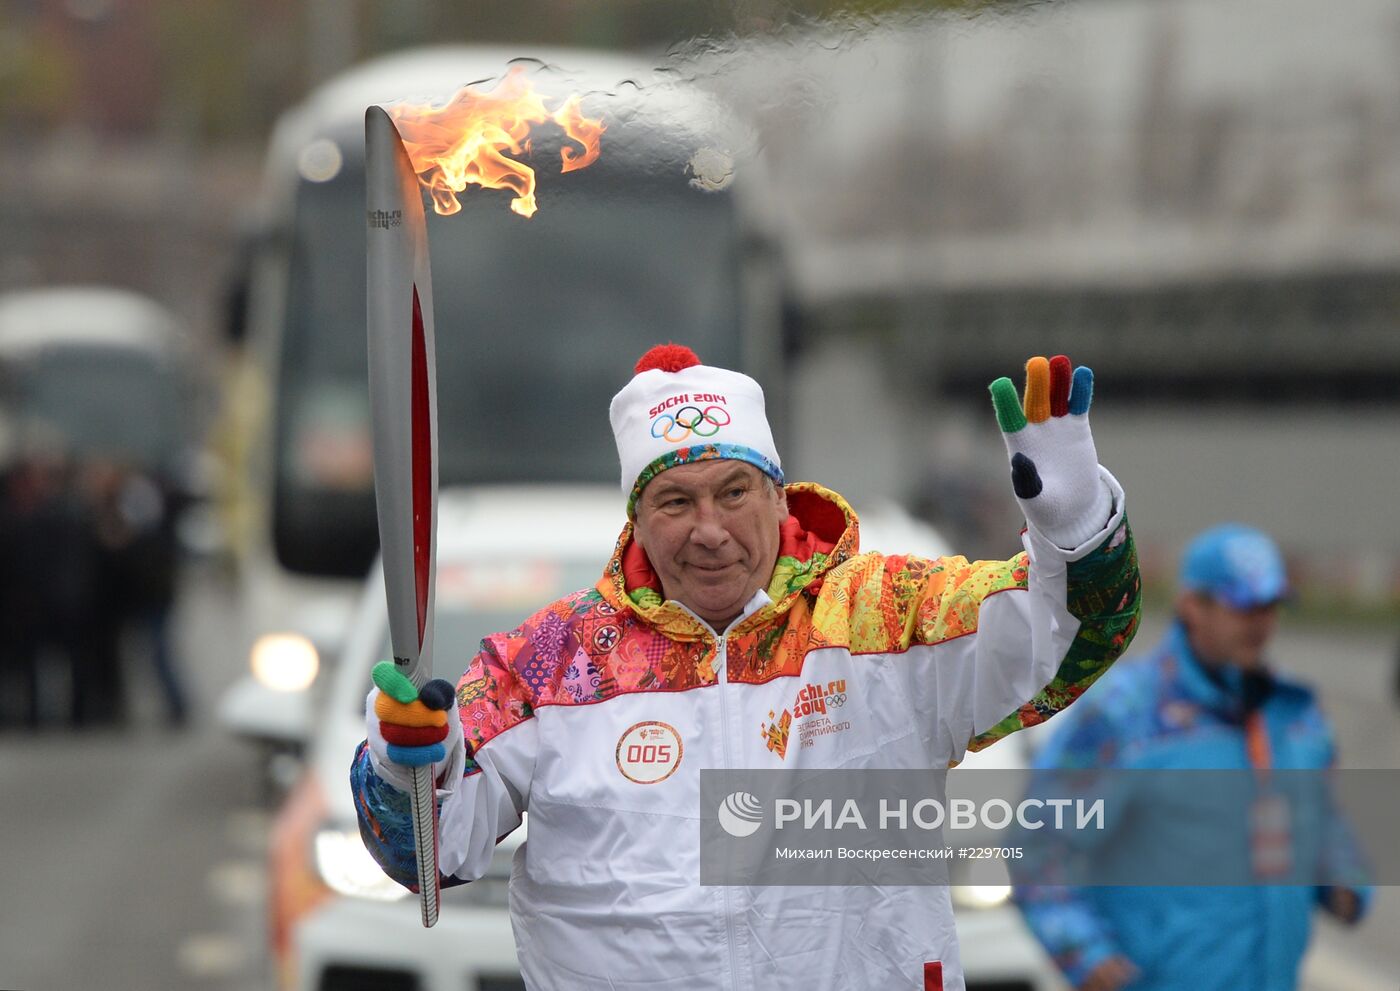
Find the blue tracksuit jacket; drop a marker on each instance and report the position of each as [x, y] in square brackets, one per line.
[1164, 711]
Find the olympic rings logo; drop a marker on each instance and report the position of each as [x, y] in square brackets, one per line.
[690, 420]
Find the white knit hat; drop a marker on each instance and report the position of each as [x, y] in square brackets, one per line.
[676, 411]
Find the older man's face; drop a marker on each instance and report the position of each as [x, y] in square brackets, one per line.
[710, 530]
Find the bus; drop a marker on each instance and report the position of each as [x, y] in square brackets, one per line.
[665, 237]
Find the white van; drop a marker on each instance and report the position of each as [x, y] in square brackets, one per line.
[107, 370]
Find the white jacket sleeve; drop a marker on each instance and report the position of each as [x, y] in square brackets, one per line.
[1035, 639]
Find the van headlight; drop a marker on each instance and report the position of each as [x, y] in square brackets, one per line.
[346, 867]
[981, 895]
[284, 662]
[992, 887]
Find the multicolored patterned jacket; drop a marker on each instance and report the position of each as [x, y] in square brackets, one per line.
[597, 714]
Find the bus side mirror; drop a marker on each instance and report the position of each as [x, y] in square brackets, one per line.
[793, 325]
[236, 292]
[251, 244]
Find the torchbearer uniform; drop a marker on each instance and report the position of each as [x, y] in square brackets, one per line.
[598, 713]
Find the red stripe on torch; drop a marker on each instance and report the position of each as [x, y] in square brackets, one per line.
[422, 468]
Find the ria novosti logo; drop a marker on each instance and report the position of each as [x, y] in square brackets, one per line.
[740, 814]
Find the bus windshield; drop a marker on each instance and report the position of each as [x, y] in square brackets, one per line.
[537, 323]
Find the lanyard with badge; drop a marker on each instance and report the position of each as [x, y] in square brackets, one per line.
[1270, 822]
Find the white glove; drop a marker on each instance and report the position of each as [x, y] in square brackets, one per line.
[408, 728]
[1054, 467]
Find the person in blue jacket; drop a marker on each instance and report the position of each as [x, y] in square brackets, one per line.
[1205, 697]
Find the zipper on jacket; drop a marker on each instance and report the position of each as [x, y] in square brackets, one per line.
[722, 656]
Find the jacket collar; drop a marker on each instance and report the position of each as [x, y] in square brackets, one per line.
[821, 532]
[1221, 690]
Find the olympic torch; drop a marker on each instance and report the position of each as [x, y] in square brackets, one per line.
[403, 398]
[440, 148]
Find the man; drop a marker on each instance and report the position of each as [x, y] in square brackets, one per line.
[728, 595]
[1205, 698]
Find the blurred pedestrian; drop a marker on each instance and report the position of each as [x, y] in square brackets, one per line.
[1205, 697]
[46, 583]
[134, 528]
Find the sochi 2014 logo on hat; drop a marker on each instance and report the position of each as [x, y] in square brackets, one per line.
[649, 753]
[689, 417]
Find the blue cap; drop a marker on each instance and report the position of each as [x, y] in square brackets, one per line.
[1235, 564]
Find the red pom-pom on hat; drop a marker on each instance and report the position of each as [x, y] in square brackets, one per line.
[667, 358]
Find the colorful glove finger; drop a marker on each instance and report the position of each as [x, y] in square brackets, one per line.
[1054, 466]
[413, 722]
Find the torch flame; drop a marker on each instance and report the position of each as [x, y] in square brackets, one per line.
[470, 138]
